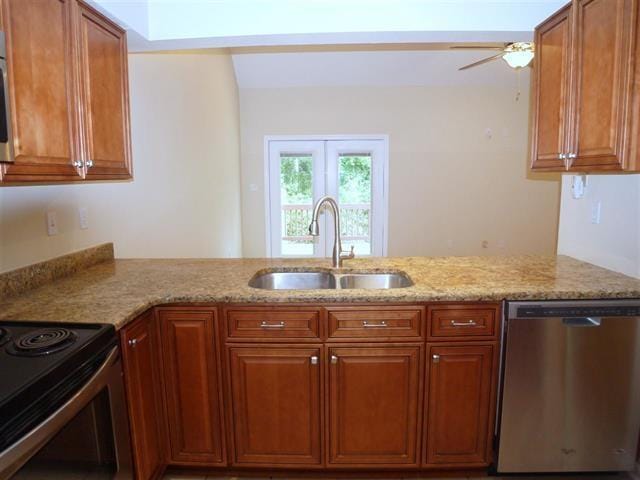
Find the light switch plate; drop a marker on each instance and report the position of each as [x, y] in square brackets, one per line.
[52, 224]
[596, 213]
[83, 217]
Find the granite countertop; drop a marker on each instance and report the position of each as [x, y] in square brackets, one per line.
[116, 291]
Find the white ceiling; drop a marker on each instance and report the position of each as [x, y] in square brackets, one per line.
[371, 68]
[180, 24]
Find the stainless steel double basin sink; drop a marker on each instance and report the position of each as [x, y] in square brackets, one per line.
[312, 280]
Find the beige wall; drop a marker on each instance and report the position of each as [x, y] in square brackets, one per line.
[184, 201]
[615, 242]
[451, 187]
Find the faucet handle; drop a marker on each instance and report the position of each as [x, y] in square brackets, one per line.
[349, 255]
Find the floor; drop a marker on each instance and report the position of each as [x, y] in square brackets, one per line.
[621, 476]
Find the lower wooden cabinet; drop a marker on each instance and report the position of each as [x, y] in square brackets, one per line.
[192, 385]
[276, 403]
[295, 403]
[459, 404]
[143, 385]
[375, 394]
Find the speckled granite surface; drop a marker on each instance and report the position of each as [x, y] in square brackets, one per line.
[117, 291]
[32, 276]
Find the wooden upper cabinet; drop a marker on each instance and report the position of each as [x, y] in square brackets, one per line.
[459, 405]
[144, 395]
[585, 91]
[276, 403]
[192, 385]
[550, 99]
[68, 93]
[601, 83]
[43, 94]
[105, 93]
[374, 406]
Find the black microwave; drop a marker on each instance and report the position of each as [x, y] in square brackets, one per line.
[6, 141]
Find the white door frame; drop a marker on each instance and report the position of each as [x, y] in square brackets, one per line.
[383, 214]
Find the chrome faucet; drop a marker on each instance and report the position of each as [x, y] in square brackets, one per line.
[338, 255]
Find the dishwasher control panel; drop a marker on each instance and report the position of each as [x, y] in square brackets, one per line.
[536, 311]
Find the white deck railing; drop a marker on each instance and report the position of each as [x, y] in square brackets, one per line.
[355, 220]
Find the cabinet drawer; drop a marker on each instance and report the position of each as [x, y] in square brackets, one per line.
[375, 322]
[458, 321]
[267, 323]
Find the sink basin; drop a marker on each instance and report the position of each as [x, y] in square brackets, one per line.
[375, 280]
[327, 280]
[293, 281]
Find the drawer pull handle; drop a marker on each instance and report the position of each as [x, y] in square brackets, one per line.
[470, 323]
[366, 324]
[314, 360]
[436, 358]
[264, 324]
[334, 359]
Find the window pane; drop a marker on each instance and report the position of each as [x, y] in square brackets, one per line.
[296, 193]
[354, 194]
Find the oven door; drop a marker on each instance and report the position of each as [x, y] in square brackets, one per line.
[87, 437]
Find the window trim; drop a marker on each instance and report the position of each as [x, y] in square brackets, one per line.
[384, 215]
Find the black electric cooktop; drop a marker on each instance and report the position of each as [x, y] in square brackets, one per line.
[41, 366]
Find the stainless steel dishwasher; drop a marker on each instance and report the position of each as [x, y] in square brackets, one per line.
[570, 396]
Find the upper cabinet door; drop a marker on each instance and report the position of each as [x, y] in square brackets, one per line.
[551, 92]
[601, 82]
[103, 72]
[43, 93]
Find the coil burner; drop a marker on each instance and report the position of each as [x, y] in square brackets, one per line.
[42, 342]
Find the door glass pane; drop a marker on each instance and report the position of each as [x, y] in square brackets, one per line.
[296, 193]
[354, 194]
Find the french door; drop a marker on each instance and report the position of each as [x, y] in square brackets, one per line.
[302, 171]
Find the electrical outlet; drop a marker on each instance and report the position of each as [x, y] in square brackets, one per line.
[83, 217]
[52, 224]
[596, 213]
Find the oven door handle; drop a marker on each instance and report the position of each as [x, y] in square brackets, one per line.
[15, 456]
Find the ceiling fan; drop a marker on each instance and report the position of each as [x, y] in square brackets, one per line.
[516, 54]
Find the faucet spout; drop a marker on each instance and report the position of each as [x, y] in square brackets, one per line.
[338, 254]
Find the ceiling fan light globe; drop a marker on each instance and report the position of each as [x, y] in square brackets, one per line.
[518, 59]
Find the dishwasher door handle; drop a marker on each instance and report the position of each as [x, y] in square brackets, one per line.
[582, 321]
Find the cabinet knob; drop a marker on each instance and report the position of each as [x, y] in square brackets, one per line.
[78, 164]
[562, 156]
[436, 358]
[314, 360]
[334, 359]
[572, 155]
[89, 163]
[133, 342]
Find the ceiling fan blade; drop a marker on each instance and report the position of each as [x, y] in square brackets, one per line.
[480, 62]
[479, 47]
